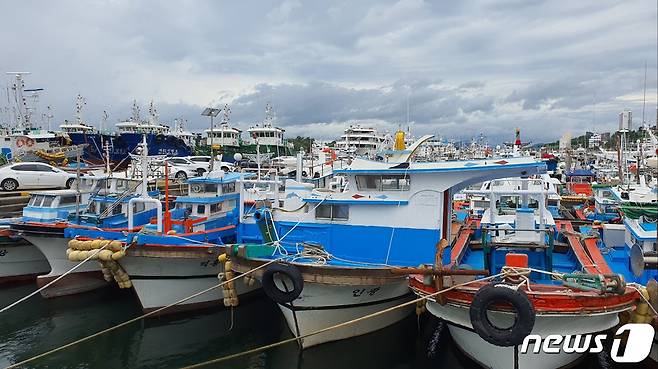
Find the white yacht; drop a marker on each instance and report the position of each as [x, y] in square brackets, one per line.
[360, 141]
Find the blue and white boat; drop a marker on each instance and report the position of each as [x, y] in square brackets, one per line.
[552, 283]
[21, 260]
[107, 208]
[337, 249]
[178, 256]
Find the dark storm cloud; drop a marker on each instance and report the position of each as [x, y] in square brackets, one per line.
[465, 67]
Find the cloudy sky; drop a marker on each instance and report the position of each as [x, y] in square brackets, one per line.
[548, 67]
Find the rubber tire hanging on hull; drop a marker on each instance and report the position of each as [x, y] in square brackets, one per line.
[521, 306]
[273, 292]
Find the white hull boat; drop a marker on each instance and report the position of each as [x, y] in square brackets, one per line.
[324, 305]
[85, 278]
[163, 275]
[21, 261]
[496, 357]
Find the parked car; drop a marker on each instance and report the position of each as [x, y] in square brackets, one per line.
[34, 175]
[182, 168]
[200, 160]
[218, 164]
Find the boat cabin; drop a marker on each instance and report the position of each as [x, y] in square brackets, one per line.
[382, 208]
[210, 199]
[55, 205]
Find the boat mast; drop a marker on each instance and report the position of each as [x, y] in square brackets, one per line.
[79, 104]
[103, 121]
[20, 110]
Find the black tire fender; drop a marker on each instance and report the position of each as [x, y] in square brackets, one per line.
[271, 289]
[521, 306]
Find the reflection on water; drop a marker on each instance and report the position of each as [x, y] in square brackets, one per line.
[39, 325]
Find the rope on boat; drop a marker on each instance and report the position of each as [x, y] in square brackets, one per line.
[340, 325]
[71, 344]
[90, 257]
[643, 292]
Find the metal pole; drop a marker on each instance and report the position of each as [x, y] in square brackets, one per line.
[77, 188]
[212, 134]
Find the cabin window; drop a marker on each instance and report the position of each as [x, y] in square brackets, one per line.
[67, 200]
[201, 209]
[47, 201]
[117, 209]
[36, 199]
[228, 187]
[92, 207]
[332, 212]
[215, 207]
[138, 207]
[122, 185]
[383, 182]
[103, 207]
[203, 187]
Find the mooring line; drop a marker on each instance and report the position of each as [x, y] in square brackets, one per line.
[94, 252]
[16, 365]
[340, 325]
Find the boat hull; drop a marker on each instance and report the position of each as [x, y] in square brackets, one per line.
[20, 260]
[496, 357]
[85, 278]
[324, 305]
[162, 276]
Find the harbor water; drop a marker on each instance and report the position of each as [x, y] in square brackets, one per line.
[39, 325]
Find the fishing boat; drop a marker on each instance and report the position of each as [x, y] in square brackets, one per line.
[20, 259]
[128, 137]
[533, 291]
[108, 207]
[224, 138]
[335, 250]
[177, 256]
[23, 139]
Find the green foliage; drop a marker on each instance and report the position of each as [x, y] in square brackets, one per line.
[302, 142]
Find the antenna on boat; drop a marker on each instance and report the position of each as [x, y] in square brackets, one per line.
[135, 110]
[79, 104]
[103, 121]
[644, 100]
[49, 115]
[106, 146]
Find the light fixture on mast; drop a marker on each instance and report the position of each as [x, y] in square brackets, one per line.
[212, 113]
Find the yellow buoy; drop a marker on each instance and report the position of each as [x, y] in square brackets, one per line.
[95, 244]
[118, 255]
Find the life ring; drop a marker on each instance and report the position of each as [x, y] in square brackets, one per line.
[521, 306]
[271, 289]
[29, 142]
[20, 142]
